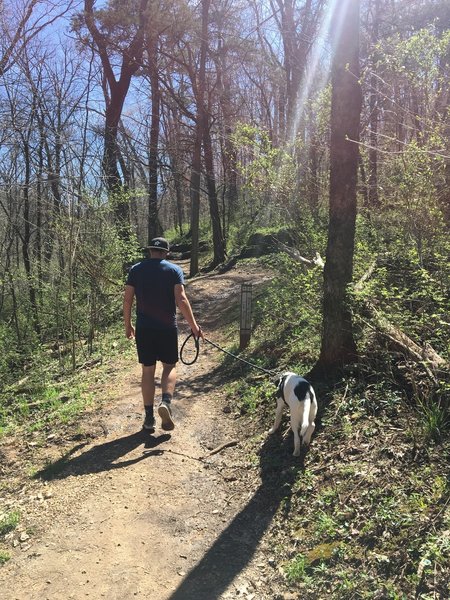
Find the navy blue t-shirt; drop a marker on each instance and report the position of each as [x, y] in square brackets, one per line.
[154, 281]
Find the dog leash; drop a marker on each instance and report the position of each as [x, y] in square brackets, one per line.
[197, 351]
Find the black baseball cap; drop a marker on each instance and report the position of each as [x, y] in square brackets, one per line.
[159, 243]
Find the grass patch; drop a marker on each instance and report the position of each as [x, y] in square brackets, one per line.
[250, 397]
[44, 405]
[9, 522]
[4, 557]
[296, 569]
[50, 395]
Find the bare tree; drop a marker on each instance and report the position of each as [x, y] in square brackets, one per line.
[21, 22]
[129, 47]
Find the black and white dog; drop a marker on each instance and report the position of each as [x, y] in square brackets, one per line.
[299, 396]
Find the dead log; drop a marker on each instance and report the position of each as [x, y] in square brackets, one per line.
[426, 356]
[317, 261]
[432, 362]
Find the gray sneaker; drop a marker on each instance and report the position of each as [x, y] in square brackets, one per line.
[165, 412]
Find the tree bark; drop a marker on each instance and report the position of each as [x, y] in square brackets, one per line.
[195, 200]
[372, 196]
[115, 92]
[338, 345]
[154, 227]
[218, 241]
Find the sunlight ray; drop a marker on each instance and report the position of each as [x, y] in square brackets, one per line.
[331, 25]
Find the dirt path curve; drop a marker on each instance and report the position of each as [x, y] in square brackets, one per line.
[133, 515]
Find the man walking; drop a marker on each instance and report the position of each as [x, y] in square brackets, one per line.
[158, 286]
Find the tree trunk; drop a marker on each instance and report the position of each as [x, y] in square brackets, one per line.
[313, 179]
[229, 153]
[195, 200]
[154, 227]
[218, 241]
[178, 185]
[115, 92]
[338, 345]
[26, 240]
[372, 196]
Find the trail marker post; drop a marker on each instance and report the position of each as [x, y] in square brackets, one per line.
[246, 315]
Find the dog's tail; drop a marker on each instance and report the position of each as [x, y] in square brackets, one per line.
[313, 405]
[309, 414]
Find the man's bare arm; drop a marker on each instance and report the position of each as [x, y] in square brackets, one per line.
[128, 298]
[186, 310]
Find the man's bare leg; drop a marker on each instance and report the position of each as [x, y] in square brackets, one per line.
[168, 379]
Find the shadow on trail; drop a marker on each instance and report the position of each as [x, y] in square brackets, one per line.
[235, 546]
[104, 456]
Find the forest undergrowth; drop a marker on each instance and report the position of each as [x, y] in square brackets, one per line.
[366, 514]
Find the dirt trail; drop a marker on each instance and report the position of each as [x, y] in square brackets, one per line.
[134, 515]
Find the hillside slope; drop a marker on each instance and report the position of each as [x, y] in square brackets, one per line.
[218, 509]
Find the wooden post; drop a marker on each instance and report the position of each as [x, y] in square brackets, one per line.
[246, 315]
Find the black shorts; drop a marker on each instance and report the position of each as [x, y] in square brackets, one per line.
[156, 344]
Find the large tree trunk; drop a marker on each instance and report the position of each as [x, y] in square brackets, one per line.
[115, 92]
[338, 345]
[218, 240]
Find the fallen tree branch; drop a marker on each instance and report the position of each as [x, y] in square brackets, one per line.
[424, 354]
[431, 361]
[317, 261]
[366, 276]
[220, 448]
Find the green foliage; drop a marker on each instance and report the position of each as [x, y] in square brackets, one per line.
[40, 404]
[287, 318]
[9, 522]
[326, 525]
[296, 569]
[250, 397]
[409, 287]
[416, 59]
[48, 396]
[412, 211]
[10, 353]
[435, 417]
[4, 557]
[268, 174]
[268, 170]
[78, 295]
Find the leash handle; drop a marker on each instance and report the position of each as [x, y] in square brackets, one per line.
[197, 351]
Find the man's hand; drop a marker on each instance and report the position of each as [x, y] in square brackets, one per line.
[129, 332]
[198, 332]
